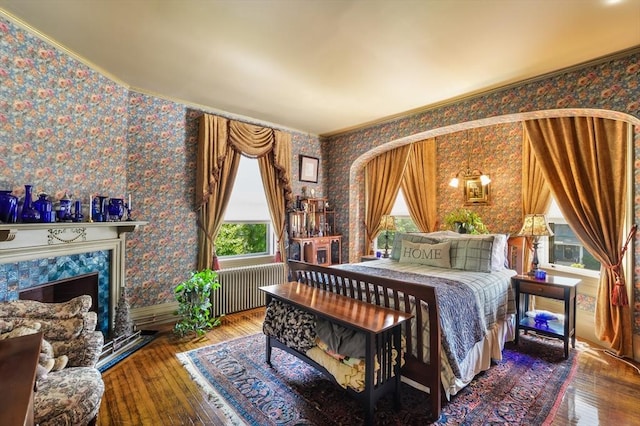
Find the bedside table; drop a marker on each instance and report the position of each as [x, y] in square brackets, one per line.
[551, 287]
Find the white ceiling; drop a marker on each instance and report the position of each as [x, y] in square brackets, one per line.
[323, 66]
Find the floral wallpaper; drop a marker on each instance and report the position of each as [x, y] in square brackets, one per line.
[65, 127]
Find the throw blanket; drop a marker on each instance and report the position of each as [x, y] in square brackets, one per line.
[462, 321]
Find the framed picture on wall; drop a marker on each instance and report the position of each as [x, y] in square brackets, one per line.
[309, 169]
[475, 192]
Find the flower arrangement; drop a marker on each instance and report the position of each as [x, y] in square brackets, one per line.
[465, 221]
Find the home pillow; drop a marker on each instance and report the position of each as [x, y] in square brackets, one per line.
[411, 237]
[426, 254]
[499, 250]
[471, 254]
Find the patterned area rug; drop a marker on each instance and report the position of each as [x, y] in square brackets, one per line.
[525, 388]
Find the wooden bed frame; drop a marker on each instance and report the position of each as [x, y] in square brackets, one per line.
[388, 292]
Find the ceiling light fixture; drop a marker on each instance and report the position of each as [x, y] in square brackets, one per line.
[466, 172]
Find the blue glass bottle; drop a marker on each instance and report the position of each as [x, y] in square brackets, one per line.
[29, 213]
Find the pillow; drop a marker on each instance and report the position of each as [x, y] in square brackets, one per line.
[500, 247]
[471, 254]
[426, 254]
[412, 237]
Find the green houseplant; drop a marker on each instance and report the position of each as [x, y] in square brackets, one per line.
[465, 221]
[194, 299]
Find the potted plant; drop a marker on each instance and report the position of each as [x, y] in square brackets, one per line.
[194, 299]
[465, 221]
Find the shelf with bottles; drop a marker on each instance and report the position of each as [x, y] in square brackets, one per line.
[311, 217]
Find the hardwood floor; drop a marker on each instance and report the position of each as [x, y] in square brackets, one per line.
[152, 388]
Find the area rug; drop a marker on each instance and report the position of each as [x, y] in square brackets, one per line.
[525, 388]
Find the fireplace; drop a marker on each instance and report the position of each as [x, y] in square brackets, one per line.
[36, 258]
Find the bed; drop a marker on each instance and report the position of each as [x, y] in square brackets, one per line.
[459, 282]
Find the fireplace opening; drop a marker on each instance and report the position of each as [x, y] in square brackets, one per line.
[64, 290]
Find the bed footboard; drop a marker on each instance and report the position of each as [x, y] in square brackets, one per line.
[397, 295]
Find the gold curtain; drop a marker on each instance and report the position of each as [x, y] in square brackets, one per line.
[585, 167]
[536, 194]
[382, 182]
[419, 185]
[220, 143]
[275, 170]
[216, 169]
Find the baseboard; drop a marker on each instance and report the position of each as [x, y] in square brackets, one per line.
[147, 317]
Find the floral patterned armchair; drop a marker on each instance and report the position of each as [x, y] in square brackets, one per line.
[70, 396]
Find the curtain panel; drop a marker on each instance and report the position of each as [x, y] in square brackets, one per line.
[583, 159]
[536, 194]
[382, 183]
[419, 185]
[220, 144]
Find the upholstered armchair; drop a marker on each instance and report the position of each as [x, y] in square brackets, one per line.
[70, 396]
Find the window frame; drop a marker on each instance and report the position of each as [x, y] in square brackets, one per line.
[544, 247]
[271, 246]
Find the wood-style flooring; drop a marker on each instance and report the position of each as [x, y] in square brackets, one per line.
[152, 388]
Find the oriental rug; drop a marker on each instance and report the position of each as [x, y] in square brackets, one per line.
[525, 388]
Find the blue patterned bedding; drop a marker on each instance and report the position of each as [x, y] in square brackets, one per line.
[470, 303]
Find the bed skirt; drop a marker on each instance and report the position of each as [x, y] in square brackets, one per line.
[478, 359]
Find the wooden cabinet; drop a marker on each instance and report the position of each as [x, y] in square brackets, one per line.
[312, 233]
[319, 250]
[311, 218]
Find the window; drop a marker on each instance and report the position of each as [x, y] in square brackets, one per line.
[564, 250]
[403, 220]
[246, 230]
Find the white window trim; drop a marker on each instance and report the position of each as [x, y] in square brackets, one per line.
[251, 258]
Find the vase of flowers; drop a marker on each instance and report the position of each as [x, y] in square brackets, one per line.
[465, 221]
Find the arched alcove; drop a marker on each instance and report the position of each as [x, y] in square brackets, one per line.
[356, 243]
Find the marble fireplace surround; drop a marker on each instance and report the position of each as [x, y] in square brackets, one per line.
[29, 242]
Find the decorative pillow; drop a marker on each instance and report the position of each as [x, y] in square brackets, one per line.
[426, 254]
[499, 251]
[471, 254]
[414, 238]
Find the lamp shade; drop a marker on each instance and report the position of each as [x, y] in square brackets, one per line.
[535, 225]
[387, 223]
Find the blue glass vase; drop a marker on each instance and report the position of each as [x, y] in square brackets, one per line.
[29, 213]
[116, 209]
[45, 208]
[8, 207]
[64, 211]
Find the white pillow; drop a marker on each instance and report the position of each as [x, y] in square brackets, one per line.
[426, 254]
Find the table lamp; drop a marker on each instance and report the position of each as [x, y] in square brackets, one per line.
[387, 223]
[534, 227]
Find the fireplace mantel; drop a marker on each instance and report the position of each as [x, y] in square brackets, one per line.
[8, 232]
[24, 242]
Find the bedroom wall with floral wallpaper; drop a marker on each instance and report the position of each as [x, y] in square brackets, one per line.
[64, 127]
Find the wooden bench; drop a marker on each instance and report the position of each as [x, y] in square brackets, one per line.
[381, 327]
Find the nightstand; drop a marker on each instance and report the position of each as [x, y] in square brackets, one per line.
[551, 287]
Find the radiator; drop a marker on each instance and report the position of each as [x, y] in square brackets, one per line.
[239, 287]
